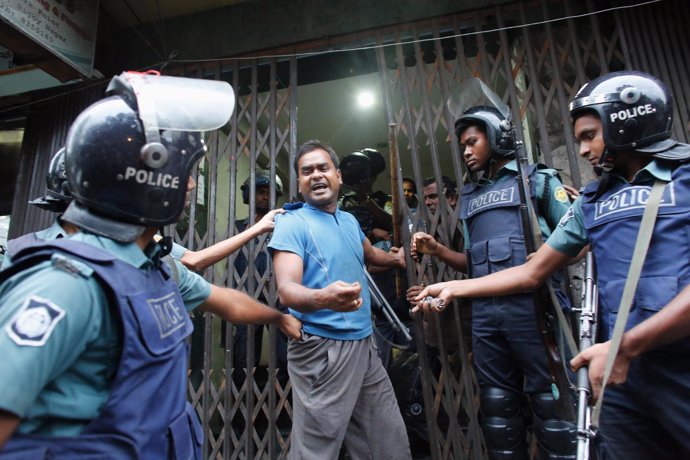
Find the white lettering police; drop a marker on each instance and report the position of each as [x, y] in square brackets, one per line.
[638, 111]
[490, 198]
[143, 176]
[632, 198]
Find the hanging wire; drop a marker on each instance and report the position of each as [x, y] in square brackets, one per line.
[174, 53]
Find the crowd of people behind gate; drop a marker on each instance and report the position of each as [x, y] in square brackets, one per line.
[94, 315]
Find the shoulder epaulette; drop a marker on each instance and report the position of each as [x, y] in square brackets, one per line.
[71, 265]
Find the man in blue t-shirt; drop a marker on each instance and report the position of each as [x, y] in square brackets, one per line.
[341, 392]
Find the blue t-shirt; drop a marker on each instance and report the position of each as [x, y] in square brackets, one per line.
[331, 249]
[59, 383]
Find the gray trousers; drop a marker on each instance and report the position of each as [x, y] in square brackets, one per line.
[342, 394]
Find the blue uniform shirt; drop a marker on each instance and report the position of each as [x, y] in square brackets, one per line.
[58, 382]
[570, 236]
[557, 200]
[330, 246]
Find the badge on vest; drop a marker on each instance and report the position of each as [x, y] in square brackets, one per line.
[34, 322]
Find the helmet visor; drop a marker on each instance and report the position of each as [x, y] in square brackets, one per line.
[182, 104]
[474, 92]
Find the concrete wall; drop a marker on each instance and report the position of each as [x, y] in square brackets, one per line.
[260, 25]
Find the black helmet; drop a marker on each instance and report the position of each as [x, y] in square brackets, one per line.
[636, 111]
[498, 129]
[355, 168]
[378, 163]
[58, 195]
[361, 166]
[129, 156]
[263, 179]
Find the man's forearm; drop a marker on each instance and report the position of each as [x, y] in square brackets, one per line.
[239, 308]
[300, 298]
[457, 260]
[200, 260]
[668, 325]
[8, 424]
[381, 258]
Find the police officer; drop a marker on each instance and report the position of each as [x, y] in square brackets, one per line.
[55, 200]
[509, 357]
[92, 327]
[262, 203]
[199, 260]
[359, 171]
[623, 123]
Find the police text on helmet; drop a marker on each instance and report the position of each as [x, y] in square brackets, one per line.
[640, 110]
[143, 176]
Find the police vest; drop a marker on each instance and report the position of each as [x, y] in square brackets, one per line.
[491, 213]
[146, 415]
[14, 246]
[612, 222]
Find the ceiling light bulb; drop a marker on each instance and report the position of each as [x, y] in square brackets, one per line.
[365, 99]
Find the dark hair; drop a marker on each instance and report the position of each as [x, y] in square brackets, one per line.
[310, 146]
[448, 184]
[409, 179]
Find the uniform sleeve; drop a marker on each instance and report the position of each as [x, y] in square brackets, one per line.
[48, 318]
[570, 236]
[193, 288]
[288, 235]
[177, 251]
[553, 201]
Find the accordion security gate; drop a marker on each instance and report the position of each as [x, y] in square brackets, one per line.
[536, 69]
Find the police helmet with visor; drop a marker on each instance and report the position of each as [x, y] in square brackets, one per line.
[130, 155]
[58, 195]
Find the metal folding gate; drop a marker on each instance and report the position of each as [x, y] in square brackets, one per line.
[534, 53]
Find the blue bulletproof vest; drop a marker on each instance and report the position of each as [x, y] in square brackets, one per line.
[147, 415]
[14, 246]
[491, 213]
[613, 221]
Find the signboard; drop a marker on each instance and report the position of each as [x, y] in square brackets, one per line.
[66, 28]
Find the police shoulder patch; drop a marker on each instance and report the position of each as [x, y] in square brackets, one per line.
[34, 322]
[560, 194]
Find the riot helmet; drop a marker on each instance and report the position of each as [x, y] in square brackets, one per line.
[130, 155]
[636, 112]
[497, 128]
[378, 163]
[262, 179]
[355, 168]
[58, 195]
[361, 166]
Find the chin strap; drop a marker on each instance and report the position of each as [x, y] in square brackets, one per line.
[603, 170]
[165, 243]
